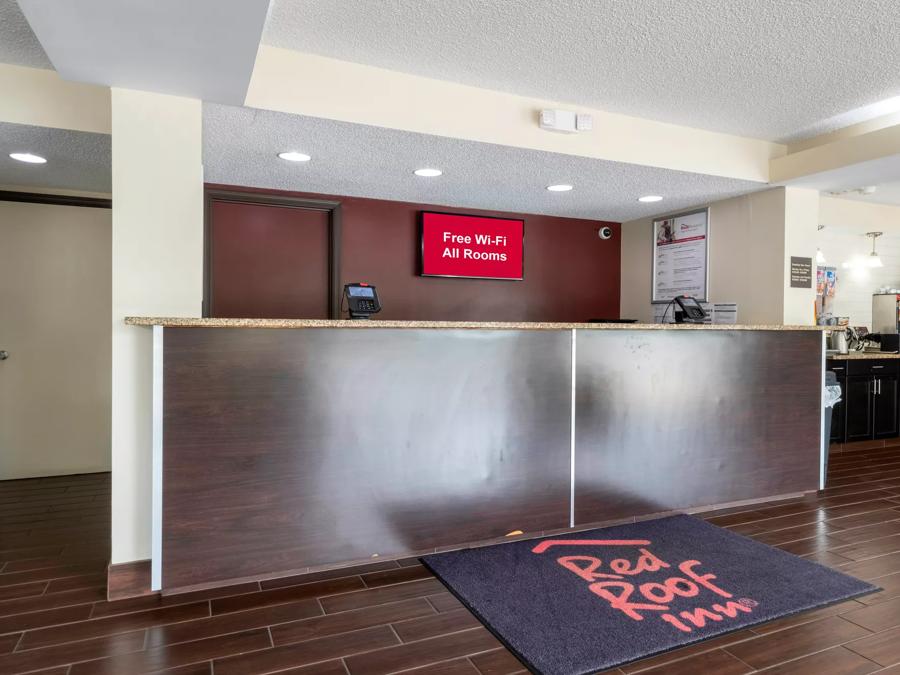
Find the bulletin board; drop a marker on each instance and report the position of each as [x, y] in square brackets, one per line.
[681, 256]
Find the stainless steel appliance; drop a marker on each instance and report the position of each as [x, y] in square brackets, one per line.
[885, 313]
[838, 341]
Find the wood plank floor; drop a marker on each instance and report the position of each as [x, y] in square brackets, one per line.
[389, 617]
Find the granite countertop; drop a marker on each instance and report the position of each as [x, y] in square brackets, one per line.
[855, 356]
[193, 322]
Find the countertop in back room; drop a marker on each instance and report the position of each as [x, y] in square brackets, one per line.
[854, 356]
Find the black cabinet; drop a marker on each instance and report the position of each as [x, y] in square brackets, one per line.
[884, 407]
[858, 402]
[870, 406]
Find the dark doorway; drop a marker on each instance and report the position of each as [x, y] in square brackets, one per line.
[269, 257]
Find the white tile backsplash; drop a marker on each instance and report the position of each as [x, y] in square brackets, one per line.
[853, 294]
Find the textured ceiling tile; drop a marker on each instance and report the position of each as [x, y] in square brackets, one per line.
[18, 45]
[771, 69]
[240, 147]
[76, 160]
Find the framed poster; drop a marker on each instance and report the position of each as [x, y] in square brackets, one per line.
[681, 256]
[472, 247]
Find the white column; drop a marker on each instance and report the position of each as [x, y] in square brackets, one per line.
[157, 270]
[801, 222]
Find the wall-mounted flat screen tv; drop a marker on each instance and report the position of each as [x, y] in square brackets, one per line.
[472, 247]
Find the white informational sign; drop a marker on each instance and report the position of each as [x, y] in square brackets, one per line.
[680, 247]
[725, 313]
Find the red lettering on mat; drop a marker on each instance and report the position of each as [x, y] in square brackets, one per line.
[616, 585]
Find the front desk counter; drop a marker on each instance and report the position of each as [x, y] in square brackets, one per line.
[284, 446]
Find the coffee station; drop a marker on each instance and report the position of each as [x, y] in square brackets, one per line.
[866, 366]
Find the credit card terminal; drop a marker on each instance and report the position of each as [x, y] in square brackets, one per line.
[362, 300]
[690, 310]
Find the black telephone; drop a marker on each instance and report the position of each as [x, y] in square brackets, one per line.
[690, 310]
[362, 300]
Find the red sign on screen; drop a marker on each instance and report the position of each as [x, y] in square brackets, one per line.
[472, 246]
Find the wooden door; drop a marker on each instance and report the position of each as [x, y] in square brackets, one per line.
[267, 261]
[55, 307]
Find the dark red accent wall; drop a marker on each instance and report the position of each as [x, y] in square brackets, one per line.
[570, 273]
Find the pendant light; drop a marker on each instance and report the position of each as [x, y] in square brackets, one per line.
[874, 260]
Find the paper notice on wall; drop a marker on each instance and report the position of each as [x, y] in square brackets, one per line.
[722, 313]
[679, 256]
[725, 313]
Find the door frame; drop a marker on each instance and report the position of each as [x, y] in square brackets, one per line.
[55, 199]
[238, 196]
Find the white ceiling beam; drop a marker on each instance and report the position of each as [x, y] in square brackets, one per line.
[193, 48]
[874, 149]
[293, 82]
[42, 98]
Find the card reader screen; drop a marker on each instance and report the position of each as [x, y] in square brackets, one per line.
[360, 292]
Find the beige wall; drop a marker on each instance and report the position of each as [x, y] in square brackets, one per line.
[801, 221]
[54, 309]
[859, 215]
[746, 258]
[157, 253]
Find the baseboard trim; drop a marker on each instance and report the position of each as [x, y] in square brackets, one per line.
[581, 527]
[64, 474]
[865, 445]
[128, 580]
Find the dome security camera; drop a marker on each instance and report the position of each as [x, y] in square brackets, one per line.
[605, 232]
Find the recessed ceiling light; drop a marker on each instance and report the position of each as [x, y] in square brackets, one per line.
[650, 198]
[294, 156]
[28, 157]
[559, 188]
[428, 173]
